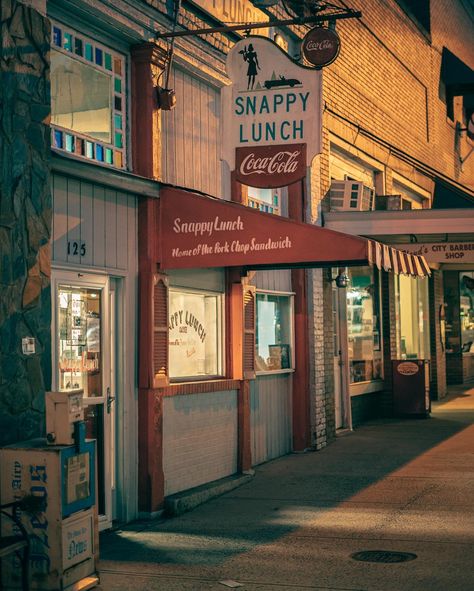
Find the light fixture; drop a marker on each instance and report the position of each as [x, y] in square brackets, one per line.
[341, 280]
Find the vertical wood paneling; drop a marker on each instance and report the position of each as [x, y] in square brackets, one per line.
[60, 219]
[98, 222]
[191, 136]
[73, 220]
[111, 228]
[87, 230]
[122, 230]
[104, 220]
[270, 417]
[273, 280]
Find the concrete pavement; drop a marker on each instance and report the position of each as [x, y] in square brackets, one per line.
[391, 485]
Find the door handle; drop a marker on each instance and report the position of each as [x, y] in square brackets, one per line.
[110, 399]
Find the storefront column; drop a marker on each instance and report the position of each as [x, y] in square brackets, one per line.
[437, 336]
[148, 61]
[301, 398]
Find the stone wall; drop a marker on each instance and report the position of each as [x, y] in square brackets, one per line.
[25, 220]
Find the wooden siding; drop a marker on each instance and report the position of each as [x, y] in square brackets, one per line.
[191, 136]
[273, 280]
[99, 219]
[270, 417]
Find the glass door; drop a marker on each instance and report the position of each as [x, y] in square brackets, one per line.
[84, 360]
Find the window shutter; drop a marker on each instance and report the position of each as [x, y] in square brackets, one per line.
[160, 331]
[249, 303]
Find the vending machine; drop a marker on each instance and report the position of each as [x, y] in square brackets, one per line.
[61, 470]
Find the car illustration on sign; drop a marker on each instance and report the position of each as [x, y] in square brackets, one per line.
[281, 81]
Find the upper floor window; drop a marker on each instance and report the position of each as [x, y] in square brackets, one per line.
[267, 200]
[87, 98]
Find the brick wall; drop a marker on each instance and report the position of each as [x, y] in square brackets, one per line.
[199, 439]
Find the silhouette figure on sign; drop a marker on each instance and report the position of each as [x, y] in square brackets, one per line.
[250, 56]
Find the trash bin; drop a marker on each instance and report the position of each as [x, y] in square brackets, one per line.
[411, 387]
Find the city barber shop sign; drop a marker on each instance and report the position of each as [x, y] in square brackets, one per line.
[271, 115]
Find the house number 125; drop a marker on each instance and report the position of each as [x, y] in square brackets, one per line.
[76, 248]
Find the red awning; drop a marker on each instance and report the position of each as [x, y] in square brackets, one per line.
[197, 231]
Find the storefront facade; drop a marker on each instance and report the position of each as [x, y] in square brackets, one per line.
[195, 372]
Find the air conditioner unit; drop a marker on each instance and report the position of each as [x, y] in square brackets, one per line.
[351, 196]
[392, 203]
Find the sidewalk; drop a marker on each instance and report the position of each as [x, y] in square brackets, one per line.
[391, 485]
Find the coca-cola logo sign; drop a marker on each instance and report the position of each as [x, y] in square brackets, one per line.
[321, 46]
[269, 167]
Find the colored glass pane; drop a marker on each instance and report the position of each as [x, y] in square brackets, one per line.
[68, 41]
[69, 142]
[89, 149]
[80, 146]
[78, 48]
[118, 140]
[118, 159]
[89, 52]
[58, 139]
[57, 35]
[118, 121]
[108, 61]
[117, 66]
[99, 152]
[99, 56]
[109, 156]
[117, 85]
[118, 103]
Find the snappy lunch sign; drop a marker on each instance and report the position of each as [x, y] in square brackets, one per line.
[272, 101]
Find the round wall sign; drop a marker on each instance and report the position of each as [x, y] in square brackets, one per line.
[408, 368]
[321, 46]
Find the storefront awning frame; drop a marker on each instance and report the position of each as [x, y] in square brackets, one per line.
[199, 231]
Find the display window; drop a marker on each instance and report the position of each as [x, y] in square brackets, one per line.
[195, 334]
[87, 98]
[274, 332]
[267, 200]
[363, 325]
[466, 311]
[412, 317]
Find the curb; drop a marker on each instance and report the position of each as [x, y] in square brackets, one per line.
[186, 501]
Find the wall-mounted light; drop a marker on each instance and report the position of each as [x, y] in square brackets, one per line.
[165, 98]
[341, 280]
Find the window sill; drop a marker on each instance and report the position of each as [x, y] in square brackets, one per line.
[201, 387]
[360, 388]
[274, 372]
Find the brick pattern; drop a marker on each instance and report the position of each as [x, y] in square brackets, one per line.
[199, 439]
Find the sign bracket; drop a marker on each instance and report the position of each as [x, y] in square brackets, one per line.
[321, 18]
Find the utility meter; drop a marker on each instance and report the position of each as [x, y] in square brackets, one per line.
[63, 409]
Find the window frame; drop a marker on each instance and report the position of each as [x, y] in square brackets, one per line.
[220, 335]
[82, 146]
[291, 297]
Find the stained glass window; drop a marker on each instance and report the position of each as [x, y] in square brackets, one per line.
[88, 98]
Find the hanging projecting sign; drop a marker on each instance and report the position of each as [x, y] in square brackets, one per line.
[321, 46]
[271, 114]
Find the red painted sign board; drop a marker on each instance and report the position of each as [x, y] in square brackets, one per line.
[197, 231]
[269, 167]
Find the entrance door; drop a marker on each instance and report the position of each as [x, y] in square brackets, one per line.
[84, 358]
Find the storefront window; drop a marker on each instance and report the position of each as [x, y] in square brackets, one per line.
[195, 334]
[274, 332]
[466, 291]
[363, 325]
[412, 318]
[87, 98]
[267, 200]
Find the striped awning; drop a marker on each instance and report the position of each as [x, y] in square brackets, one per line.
[397, 261]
